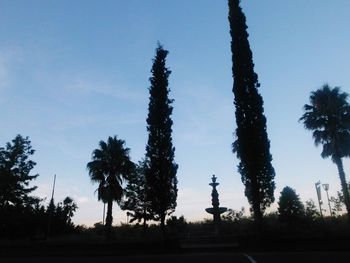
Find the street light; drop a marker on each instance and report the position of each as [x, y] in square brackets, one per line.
[104, 212]
[326, 188]
[318, 191]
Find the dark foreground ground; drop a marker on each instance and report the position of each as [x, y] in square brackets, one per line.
[202, 257]
[335, 250]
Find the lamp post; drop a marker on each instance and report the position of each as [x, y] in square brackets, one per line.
[319, 198]
[326, 188]
[103, 215]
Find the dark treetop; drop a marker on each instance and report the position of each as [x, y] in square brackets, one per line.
[161, 168]
[290, 208]
[251, 145]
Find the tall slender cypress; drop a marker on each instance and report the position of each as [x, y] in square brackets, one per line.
[161, 169]
[252, 145]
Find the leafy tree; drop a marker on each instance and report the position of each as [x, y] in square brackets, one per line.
[109, 166]
[68, 207]
[17, 206]
[135, 196]
[338, 203]
[15, 168]
[161, 168]
[21, 214]
[328, 116]
[252, 145]
[60, 216]
[290, 208]
[311, 211]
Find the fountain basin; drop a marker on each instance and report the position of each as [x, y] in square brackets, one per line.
[219, 210]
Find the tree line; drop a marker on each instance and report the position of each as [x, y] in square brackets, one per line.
[151, 191]
[151, 184]
[23, 214]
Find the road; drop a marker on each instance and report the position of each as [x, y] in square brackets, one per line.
[219, 257]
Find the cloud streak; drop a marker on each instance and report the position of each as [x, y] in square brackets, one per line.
[92, 87]
[8, 57]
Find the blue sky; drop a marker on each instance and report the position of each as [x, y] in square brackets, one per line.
[73, 73]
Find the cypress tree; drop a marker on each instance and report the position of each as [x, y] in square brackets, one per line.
[161, 169]
[251, 145]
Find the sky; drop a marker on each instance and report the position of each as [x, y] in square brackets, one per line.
[73, 73]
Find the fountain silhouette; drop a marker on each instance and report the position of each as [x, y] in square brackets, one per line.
[216, 210]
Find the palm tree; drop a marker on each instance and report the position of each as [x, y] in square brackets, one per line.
[109, 166]
[328, 116]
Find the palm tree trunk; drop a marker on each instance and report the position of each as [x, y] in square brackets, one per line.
[109, 219]
[344, 185]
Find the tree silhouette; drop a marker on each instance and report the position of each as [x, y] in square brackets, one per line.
[109, 166]
[68, 207]
[338, 203]
[15, 168]
[311, 211]
[135, 196]
[252, 145]
[60, 216]
[328, 116]
[17, 206]
[23, 215]
[161, 168]
[290, 208]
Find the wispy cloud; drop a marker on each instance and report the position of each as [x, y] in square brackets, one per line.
[8, 56]
[66, 123]
[92, 87]
[83, 200]
[3, 73]
[202, 105]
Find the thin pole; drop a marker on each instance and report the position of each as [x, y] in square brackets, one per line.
[53, 187]
[319, 201]
[103, 216]
[50, 216]
[329, 204]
